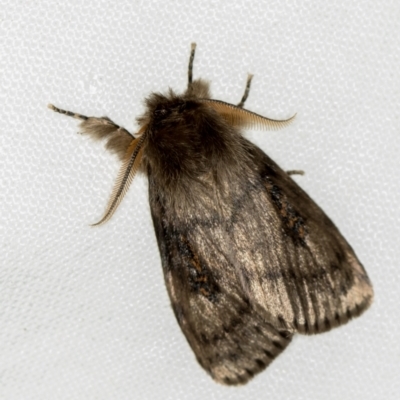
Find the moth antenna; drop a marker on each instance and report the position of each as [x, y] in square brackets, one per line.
[125, 177]
[68, 113]
[246, 91]
[190, 67]
[241, 118]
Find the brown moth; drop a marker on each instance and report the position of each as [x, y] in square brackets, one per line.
[248, 258]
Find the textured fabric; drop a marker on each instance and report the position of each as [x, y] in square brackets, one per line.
[83, 311]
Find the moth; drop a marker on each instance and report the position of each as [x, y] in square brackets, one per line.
[249, 259]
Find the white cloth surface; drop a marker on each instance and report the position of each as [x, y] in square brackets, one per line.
[84, 313]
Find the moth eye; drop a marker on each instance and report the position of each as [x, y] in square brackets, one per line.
[182, 107]
[161, 112]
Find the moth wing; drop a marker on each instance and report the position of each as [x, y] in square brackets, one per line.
[291, 258]
[253, 266]
[232, 339]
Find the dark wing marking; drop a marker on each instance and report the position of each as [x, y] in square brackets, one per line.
[232, 339]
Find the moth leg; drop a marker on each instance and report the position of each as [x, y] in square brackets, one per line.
[102, 120]
[246, 91]
[118, 138]
[190, 67]
[68, 113]
[295, 172]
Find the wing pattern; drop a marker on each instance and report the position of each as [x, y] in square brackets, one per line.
[231, 339]
[246, 275]
[247, 271]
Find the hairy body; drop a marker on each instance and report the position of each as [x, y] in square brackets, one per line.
[248, 258]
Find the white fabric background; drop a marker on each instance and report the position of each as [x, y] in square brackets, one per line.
[83, 311]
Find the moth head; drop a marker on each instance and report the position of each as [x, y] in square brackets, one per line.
[165, 113]
[168, 109]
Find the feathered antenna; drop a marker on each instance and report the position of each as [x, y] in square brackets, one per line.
[241, 118]
[127, 172]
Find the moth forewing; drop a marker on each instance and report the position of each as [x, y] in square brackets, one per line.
[248, 258]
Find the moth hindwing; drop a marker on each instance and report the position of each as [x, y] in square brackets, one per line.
[248, 258]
